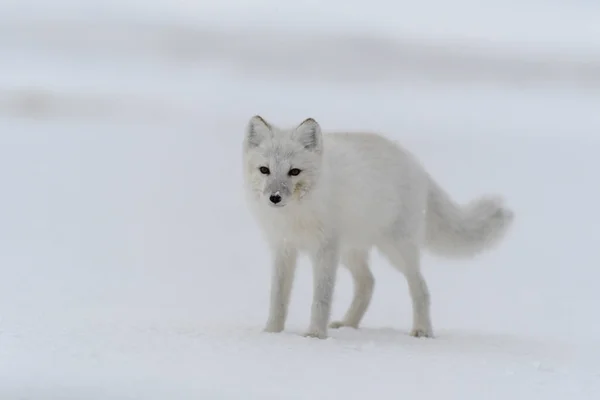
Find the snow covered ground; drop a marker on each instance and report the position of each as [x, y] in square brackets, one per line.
[131, 268]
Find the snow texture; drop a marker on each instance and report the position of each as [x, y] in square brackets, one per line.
[132, 269]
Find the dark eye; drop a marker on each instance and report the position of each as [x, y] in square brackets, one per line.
[294, 172]
[264, 170]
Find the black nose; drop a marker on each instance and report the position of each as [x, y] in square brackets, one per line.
[275, 198]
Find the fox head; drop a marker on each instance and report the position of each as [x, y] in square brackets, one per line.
[282, 165]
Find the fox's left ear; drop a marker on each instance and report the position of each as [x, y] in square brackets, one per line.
[308, 133]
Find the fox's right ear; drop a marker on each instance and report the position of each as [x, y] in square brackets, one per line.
[257, 130]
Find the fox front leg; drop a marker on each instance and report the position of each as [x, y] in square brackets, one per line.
[282, 279]
[325, 262]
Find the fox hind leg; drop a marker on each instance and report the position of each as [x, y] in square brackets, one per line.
[356, 261]
[405, 256]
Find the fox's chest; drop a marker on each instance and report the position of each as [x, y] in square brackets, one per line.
[302, 231]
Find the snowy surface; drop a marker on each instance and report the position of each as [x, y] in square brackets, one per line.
[131, 268]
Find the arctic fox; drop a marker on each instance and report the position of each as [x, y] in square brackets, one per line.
[335, 196]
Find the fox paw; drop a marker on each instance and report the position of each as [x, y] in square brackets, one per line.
[341, 324]
[421, 333]
[315, 334]
[273, 328]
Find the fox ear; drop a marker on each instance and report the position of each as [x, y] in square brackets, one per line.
[308, 133]
[257, 130]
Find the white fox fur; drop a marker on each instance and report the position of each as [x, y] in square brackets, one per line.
[337, 196]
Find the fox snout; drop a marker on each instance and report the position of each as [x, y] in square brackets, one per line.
[275, 198]
[276, 192]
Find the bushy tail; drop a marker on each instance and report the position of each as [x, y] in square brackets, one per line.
[464, 231]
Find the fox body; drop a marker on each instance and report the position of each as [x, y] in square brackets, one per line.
[336, 196]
